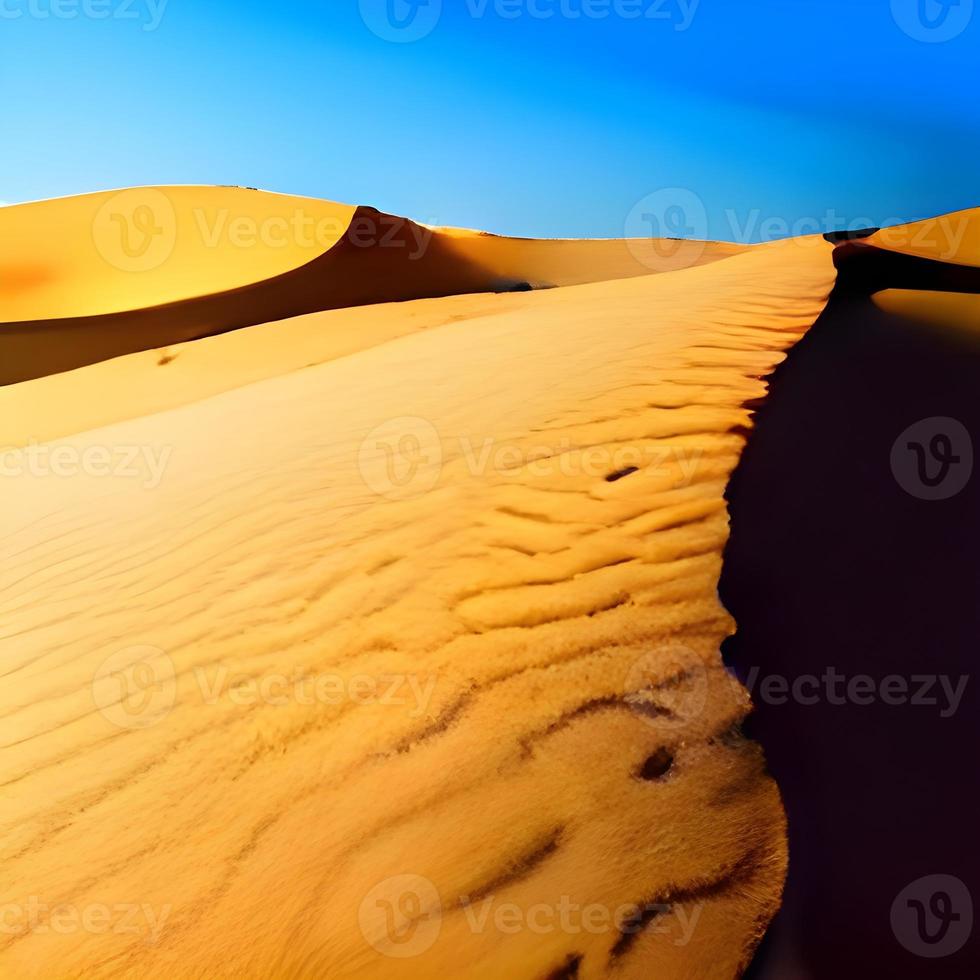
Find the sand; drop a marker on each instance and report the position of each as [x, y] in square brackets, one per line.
[125, 250]
[951, 238]
[87, 279]
[490, 529]
[841, 556]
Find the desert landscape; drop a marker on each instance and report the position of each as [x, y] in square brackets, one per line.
[360, 603]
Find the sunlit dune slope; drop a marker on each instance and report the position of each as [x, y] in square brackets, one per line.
[568, 262]
[91, 278]
[948, 238]
[128, 387]
[928, 272]
[511, 518]
[125, 250]
[155, 380]
[949, 312]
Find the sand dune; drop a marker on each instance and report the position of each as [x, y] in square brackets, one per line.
[125, 250]
[149, 268]
[568, 262]
[944, 289]
[180, 374]
[839, 556]
[509, 507]
[948, 238]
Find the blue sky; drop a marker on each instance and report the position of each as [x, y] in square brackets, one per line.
[536, 117]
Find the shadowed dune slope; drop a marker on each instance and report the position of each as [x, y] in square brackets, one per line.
[140, 384]
[840, 560]
[95, 277]
[377, 260]
[516, 516]
[152, 381]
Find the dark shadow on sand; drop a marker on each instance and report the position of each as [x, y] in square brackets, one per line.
[831, 563]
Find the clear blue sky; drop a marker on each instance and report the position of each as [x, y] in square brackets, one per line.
[501, 116]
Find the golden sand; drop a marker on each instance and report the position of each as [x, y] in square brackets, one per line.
[87, 279]
[951, 238]
[506, 514]
[125, 250]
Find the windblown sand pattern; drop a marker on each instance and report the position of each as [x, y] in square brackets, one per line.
[507, 510]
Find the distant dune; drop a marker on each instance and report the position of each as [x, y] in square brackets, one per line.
[90, 278]
[117, 251]
[953, 238]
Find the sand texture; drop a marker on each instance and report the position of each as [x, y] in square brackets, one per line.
[399, 614]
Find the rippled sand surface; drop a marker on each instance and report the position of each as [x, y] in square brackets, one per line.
[354, 639]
